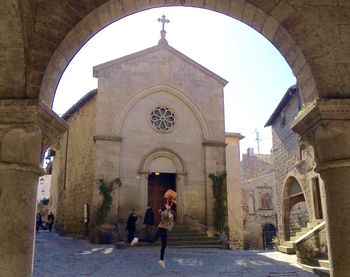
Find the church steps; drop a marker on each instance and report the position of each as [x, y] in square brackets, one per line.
[182, 236]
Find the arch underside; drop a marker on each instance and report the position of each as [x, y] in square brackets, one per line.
[316, 50]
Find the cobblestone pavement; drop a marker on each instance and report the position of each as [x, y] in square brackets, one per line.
[62, 256]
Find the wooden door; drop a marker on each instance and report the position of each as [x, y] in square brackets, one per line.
[157, 186]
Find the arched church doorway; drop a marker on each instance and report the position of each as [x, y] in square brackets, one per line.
[269, 232]
[295, 212]
[158, 184]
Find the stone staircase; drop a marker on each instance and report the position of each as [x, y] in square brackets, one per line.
[287, 247]
[182, 237]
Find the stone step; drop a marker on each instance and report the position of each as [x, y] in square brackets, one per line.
[305, 229]
[190, 238]
[299, 234]
[288, 244]
[286, 249]
[182, 236]
[323, 263]
[311, 224]
[294, 238]
[187, 233]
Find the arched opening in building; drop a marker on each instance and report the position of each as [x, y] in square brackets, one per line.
[269, 233]
[158, 184]
[295, 212]
[122, 140]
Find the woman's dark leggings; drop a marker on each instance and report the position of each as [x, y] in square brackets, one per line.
[161, 233]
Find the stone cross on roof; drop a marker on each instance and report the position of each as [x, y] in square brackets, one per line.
[163, 20]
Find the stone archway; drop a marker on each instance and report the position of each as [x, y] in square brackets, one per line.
[269, 233]
[271, 20]
[292, 195]
[40, 38]
[164, 161]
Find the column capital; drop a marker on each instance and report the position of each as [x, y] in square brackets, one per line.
[26, 128]
[32, 111]
[325, 124]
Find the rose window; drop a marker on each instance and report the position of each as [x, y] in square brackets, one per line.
[162, 119]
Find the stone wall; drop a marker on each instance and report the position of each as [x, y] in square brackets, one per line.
[73, 184]
[258, 181]
[254, 165]
[290, 161]
[256, 215]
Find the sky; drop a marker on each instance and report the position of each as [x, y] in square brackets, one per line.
[257, 73]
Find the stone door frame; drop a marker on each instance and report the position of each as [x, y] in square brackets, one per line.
[180, 180]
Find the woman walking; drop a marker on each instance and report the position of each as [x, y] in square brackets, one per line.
[165, 224]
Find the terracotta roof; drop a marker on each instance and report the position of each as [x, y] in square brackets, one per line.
[287, 96]
[82, 101]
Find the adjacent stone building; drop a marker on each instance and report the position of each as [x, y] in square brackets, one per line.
[259, 200]
[300, 190]
[156, 122]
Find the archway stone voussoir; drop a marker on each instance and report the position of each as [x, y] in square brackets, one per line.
[282, 11]
[270, 28]
[196, 4]
[248, 14]
[223, 6]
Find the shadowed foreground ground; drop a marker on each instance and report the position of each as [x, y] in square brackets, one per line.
[60, 256]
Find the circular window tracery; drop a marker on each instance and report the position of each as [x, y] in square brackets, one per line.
[162, 119]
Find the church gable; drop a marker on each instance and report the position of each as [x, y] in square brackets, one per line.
[123, 80]
[161, 51]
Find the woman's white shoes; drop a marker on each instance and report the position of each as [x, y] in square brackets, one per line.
[161, 263]
[134, 241]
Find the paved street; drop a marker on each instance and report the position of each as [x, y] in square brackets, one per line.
[61, 256]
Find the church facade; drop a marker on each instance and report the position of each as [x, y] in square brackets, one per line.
[155, 122]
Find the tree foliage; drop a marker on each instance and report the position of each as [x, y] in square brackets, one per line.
[220, 201]
[106, 189]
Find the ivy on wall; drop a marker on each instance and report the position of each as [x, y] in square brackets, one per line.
[220, 201]
[106, 189]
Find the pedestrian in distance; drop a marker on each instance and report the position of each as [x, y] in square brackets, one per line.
[50, 220]
[131, 225]
[39, 222]
[164, 226]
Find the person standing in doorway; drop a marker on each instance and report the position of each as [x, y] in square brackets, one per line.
[131, 225]
[50, 220]
[164, 226]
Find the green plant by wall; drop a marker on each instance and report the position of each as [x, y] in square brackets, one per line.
[106, 189]
[220, 201]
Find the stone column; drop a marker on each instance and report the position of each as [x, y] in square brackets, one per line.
[325, 125]
[26, 128]
[234, 191]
